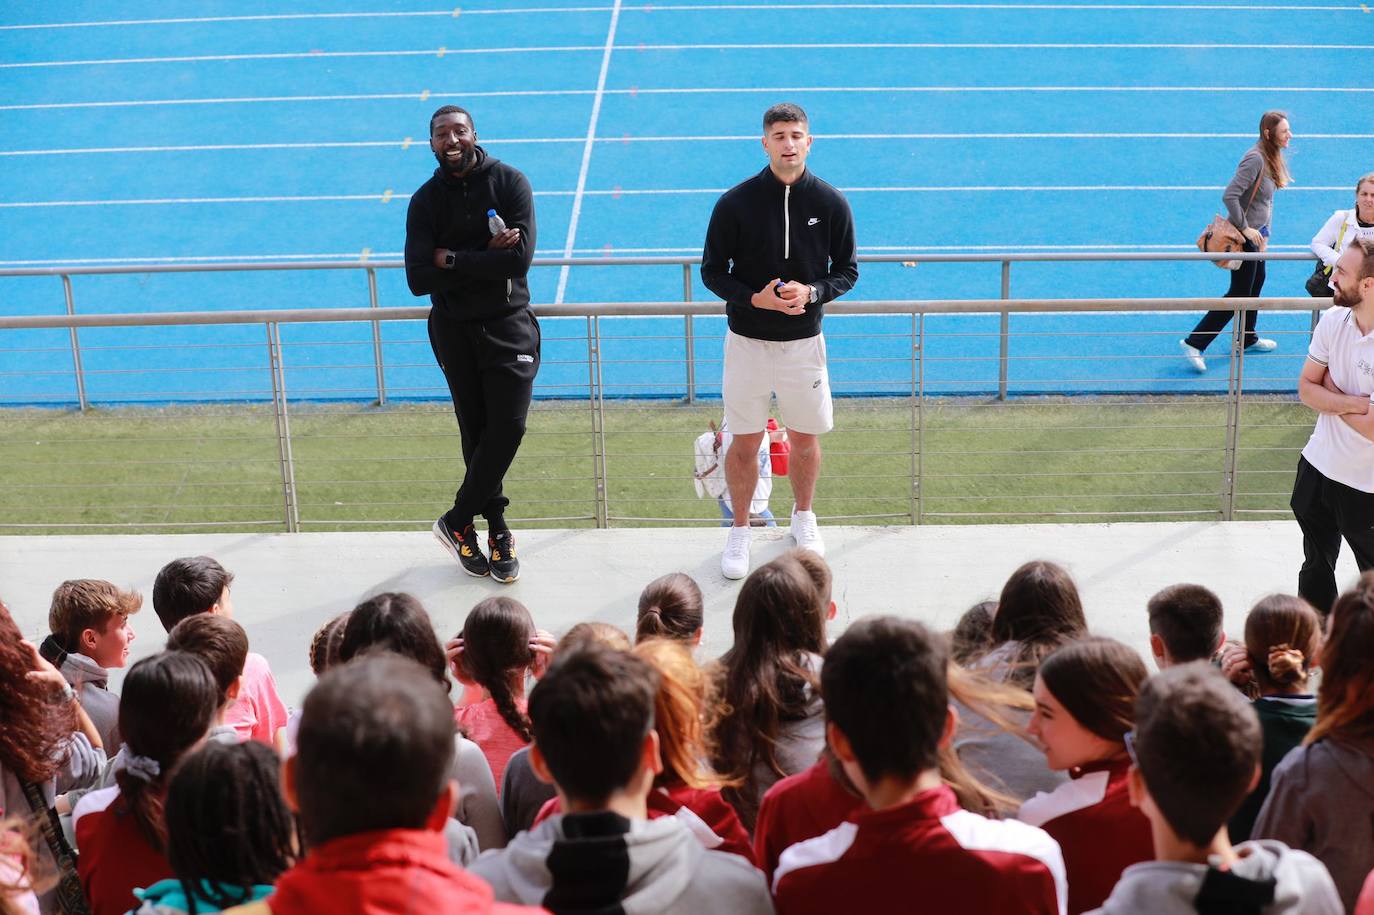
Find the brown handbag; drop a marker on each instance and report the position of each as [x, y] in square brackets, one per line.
[1222, 237]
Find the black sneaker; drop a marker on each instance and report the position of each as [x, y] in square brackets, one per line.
[505, 568]
[463, 547]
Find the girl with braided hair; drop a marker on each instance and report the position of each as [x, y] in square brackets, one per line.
[1282, 637]
[230, 834]
[497, 649]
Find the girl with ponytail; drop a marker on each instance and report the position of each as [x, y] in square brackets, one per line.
[1282, 635]
[1319, 797]
[166, 707]
[670, 607]
[492, 656]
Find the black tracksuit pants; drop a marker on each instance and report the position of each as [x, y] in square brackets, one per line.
[1246, 282]
[490, 367]
[1326, 512]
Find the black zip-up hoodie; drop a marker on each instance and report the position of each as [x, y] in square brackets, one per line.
[449, 212]
[761, 229]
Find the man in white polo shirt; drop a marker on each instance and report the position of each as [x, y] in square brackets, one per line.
[1333, 495]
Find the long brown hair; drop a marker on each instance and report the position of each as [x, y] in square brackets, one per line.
[166, 706]
[496, 649]
[1097, 681]
[766, 679]
[681, 709]
[1282, 634]
[1271, 151]
[1345, 704]
[994, 701]
[1039, 610]
[35, 732]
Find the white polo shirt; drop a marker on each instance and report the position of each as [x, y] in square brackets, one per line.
[1337, 451]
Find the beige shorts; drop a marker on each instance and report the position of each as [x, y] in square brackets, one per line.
[794, 370]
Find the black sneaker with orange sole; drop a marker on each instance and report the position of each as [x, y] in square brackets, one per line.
[505, 568]
[463, 547]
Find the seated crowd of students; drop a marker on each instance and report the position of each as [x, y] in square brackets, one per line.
[1018, 764]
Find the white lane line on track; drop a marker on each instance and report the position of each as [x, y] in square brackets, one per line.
[736, 138]
[712, 46]
[292, 55]
[587, 149]
[684, 7]
[648, 192]
[586, 252]
[704, 90]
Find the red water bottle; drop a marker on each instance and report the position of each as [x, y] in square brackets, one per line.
[777, 451]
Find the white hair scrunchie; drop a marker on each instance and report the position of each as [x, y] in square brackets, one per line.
[144, 767]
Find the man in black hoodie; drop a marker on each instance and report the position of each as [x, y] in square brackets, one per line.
[779, 246]
[481, 328]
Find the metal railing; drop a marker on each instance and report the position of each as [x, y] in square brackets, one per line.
[939, 447]
[686, 264]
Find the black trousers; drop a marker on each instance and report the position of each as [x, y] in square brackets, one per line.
[490, 367]
[1246, 282]
[1326, 512]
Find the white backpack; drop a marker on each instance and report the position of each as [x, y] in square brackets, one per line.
[709, 475]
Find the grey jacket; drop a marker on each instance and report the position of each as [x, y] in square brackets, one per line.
[1302, 885]
[477, 804]
[1260, 211]
[91, 682]
[82, 769]
[604, 862]
[522, 793]
[1321, 800]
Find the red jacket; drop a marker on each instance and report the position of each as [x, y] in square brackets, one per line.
[384, 872]
[707, 815]
[115, 857]
[1101, 834]
[926, 855]
[798, 808]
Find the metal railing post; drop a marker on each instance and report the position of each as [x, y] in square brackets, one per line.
[601, 510]
[1235, 377]
[287, 462]
[376, 337]
[689, 336]
[76, 347]
[917, 376]
[1004, 333]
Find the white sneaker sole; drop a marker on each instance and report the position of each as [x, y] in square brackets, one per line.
[453, 552]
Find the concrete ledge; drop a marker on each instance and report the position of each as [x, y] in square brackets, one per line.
[286, 585]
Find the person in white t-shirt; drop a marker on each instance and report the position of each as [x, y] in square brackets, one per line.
[1345, 226]
[1333, 494]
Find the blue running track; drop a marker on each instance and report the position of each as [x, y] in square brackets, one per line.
[246, 131]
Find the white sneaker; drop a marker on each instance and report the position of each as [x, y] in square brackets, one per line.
[1194, 357]
[1262, 345]
[734, 559]
[806, 532]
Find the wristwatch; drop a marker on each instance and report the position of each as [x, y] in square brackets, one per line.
[449, 259]
[815, 295]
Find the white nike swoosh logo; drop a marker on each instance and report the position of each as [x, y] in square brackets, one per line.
[812, 221]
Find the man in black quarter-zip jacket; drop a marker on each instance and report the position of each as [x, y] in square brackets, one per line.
[481, 328]
[780, 245]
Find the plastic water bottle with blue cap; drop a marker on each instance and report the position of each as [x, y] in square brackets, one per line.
[495, 223]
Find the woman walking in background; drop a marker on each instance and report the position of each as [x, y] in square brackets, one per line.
[1249, 200]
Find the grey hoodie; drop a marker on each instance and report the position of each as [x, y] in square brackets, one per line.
[598, 862]
[1302, 885]
[91, 682]
[1321, 799]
